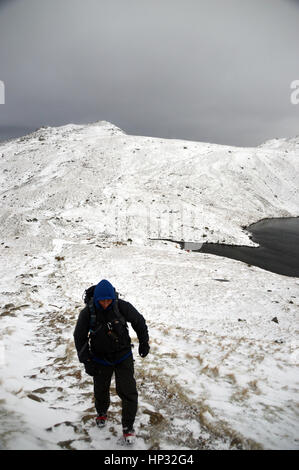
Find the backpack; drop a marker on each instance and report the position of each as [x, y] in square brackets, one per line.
[115, 331]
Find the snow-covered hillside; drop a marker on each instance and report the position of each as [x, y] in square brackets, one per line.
[80, 203]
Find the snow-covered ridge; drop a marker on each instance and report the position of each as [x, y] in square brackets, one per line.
[97, 169]
[79, 204]
[287, 144]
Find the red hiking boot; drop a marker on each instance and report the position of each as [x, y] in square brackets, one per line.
[129, 436]
[101, 420]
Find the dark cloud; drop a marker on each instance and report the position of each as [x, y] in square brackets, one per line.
[201, 70]
[3, 2]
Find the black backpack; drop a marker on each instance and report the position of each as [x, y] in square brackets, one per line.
[114, 330]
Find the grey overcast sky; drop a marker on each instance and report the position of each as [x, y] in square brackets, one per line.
[208, 70]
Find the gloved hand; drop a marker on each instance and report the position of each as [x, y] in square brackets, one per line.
[91, 368]
[143, 349]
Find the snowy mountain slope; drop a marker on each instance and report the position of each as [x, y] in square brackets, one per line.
[78, 204]
[74, 169]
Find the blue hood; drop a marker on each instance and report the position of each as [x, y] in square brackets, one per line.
[103, 290]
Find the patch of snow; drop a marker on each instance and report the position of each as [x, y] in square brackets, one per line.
[79, 204]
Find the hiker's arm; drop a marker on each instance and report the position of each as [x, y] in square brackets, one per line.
[137, 321]
[81, 336]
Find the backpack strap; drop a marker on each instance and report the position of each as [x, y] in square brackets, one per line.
[92, 315]
[118, 315]
[88, 299]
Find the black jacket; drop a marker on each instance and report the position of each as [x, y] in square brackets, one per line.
[102, 345]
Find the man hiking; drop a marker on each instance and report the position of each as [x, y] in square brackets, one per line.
[104, 346]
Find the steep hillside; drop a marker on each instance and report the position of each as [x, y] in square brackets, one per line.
[78, 204]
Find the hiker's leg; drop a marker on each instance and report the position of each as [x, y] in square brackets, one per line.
[127, 391]
[101, 384]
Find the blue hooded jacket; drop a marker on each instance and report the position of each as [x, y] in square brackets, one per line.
[103, 290]
[101, 348]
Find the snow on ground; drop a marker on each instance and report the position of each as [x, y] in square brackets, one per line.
[79, 204]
